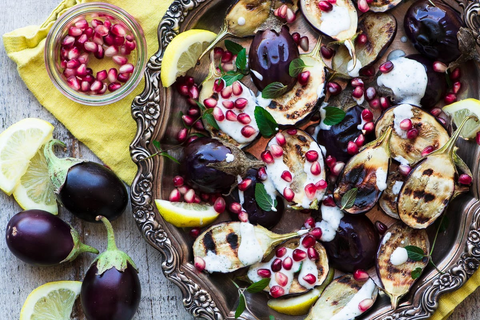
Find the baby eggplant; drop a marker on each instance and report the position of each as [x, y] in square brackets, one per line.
[85, 188]
[296, 168]
[37, 237]
[295, 105]
[296, 267]
[413, 131]
[388, 200]
[431, 185]
[394, 268]
[111, 288]
[229, 246]
[344, 298]
[367, 171]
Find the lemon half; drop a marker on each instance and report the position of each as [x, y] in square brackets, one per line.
[460, 110]
[182, 214]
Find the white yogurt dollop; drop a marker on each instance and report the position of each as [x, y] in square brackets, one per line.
[351, 310]
[399, 256]
[331, 217]
[402, 112]
[381, 179]
[249, 250]
[335, 21]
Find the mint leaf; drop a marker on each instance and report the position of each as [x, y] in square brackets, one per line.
[157, 145]
[415, 253]
[443, 224]
[333, 116]
[274, 90]
[263, 199]
[259, 285]
[233, 47]
[208, 116]
[166, 155]
[241, 61]
[348, 199]
[296, 67]
[266, 123]
[417, 272]
[241, 306]
[271, 317]
[230, 78]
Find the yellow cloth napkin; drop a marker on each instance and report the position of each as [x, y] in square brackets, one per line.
[108, 130]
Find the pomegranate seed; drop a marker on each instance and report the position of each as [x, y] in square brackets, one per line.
[291, 17]
[310, 190]
[112, 77]
[312, 254]
[74, 31]
[315, 169]
[281, 279]
[118, 30]
[334, 88]
[72, 64]
[174, 196]
[226, 92]
[303, 78]
[367, 72]
[436, 112]
[360, 275]
[310, 278]
[244, 118]
[369, 127]
[218, 85]
[330, 161]
[325, 6]
[96, 22]
[198, 125]
[100, 53]
[427, 150]
[357, 93]
[109, 40]
[276, 265]
[230, 115]
[276, 150]
[85, 86]
[455, 74]
[102, 30]
[412, 133]
[291, 132]
[308, 241]
[404, 169]
[182, 135]
[210, 103]
[477, 138]
[68, 41]
[244, 184]
[282, 11]
[365, 304]
[439, 67]
[370, 93]
[304, 43]
[248, 131]
[218, 52]
[189, 196]
[276, 291]
[406, 124]
[103, 89]
[96, 85]
[120, 60]
[188, 120]
[90, 46]
[114, 86]
[81, 24]
[235, 207]
[374, 103]
[337, 169]
[197, 199]
[367, 115]
[88, 32]
[280, 252]
[384, 103]
[287, 263]
[191, 139]
[130, 45]
[361, 39]
[326, 52]
[126, 68]
[73, 53]
[227, 56]
[82, 70]
[386, 67]
[363, 5]
[101, 75]
[264, 273]
[465, 179]
[193, 91]
[311, 155]
[199, 264]
[219, 205]
[360, 140]
[329, 202]
[316, 233]
[262, 174]
[218, 114]
[357, 82]
[267, 157]
[241, 103]
[280, 139]
[381, 227]
[457, 85]
[321, 185]
[178, 181]
[287, 176]
[98, 39]
[123, 77]
[309, 223]
[82, 39]
[296, 37]
[288, 194]
[352, 148]
[83, 58]
[299, 255]
[228, 105]
[194, 232]
[450, 98]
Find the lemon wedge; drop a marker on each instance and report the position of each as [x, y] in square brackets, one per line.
[182, 54]
[300, 305]
[182, 214]
[51, 301]
[18, 144]
[35, 190]
[460, 110]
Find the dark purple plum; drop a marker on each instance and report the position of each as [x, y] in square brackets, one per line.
[86, 189]
[197, 173]
[38, 237]
[432, 26]
[270, 56]
[111, 289]
[256, 215]
[355, 245]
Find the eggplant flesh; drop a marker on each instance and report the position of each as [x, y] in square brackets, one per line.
[383, 5]
[254, 14]
[397, 279]
[389, 198]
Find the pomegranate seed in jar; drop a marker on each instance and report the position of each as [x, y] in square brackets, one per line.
[112, 77]
[126, 68]
[120, 60]
[114, 86]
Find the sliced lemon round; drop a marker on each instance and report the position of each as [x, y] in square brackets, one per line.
[182, 214]
[51, 301]
[460, 110]
[182, 54]
[18, 144]
[35, 190]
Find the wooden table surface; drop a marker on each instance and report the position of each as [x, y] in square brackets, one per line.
[160, 298]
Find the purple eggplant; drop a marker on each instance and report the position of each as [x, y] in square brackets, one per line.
[86, 189]
[37, 237]
[111, 288]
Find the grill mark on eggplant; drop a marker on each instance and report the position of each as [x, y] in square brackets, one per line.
[232, 240]
[302, 138]
[298, 149]
[209, 243]
[428, 172]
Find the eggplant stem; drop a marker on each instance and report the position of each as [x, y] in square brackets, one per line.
[316, 48]
[220, 36]
[449, 147]
[111, 246]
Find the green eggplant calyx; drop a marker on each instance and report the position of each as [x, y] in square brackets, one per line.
[449, 147]
[383, 141]
[78, 247]
[58, 168]
[112, 257]
[314, 54]
[222, 34]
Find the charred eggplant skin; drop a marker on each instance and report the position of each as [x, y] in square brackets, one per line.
[270, 55]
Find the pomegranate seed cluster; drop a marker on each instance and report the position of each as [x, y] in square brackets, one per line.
[98, 39]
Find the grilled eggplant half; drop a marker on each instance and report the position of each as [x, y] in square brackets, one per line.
[367, 171]
[395, 276]
[388, 200]
[344, 298]
[430, 132]
[229, 246]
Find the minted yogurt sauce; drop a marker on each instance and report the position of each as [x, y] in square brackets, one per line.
[401, 112]
[249, 250]
[350, 311]
[331, 217]
[399, 256]
[397, 187]
[386, 237]
[381, 179]
[335, 21]
[408, 80]
[217, 263]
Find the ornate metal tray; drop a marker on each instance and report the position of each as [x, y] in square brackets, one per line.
[457, 252]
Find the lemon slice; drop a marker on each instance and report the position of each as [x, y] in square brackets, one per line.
[182, 214]
[51, 301]
[462, 109]
[35, 190]
[300, 305]
[182, 54]
[18, 144]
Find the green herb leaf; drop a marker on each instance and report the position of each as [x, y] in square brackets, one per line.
[296, 67]
[270, 317]
[157, 145]
[444, 223]
[241, 61]
[266, 123]
[348, 199]
[415, 253]
[208, 116]
[241, 306]
[417, 272]
[233, 47]
[230, 78]
[263, 199]
[198, 134]
[200, 105]
[333, 116]
[259, 285]
[274, 90]
[448, 80]
[166, 155]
